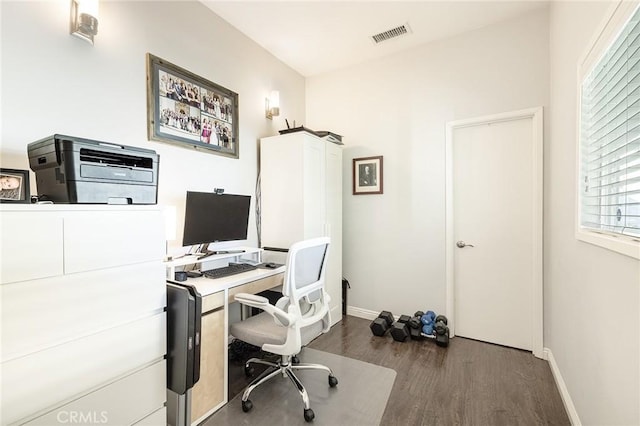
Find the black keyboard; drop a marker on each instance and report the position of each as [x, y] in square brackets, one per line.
[232, 269]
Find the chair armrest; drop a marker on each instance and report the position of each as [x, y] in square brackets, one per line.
[251, 300]
[260, 302]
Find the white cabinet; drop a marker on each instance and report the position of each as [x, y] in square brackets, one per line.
[116, 406]
[30, 232]
[109, 238]
[301, 198]
[82, 297]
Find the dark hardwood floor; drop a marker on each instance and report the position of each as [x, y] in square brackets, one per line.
[468, 383]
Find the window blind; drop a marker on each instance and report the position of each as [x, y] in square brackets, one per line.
[610, 137]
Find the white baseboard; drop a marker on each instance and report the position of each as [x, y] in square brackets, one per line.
[562, 388]
[362, 313]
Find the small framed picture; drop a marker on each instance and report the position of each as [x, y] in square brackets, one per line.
[367, 175]
[14, 186]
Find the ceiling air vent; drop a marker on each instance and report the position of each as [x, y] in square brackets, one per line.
[392, 33]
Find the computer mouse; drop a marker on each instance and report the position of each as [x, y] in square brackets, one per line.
[271, 265]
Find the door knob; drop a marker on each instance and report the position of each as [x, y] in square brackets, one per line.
[462, 244]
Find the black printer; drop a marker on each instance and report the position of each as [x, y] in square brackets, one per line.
[82, 171]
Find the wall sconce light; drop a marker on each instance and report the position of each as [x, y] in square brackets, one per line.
[272, 105]
[84, 19]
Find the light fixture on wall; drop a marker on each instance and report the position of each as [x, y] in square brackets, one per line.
[84, 19]
[272, 105]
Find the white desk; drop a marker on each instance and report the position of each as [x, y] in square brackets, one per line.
[211, 391]
[207, 286]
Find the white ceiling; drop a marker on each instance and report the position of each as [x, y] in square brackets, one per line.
[314, 37]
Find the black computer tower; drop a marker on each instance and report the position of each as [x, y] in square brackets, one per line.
[184, 309]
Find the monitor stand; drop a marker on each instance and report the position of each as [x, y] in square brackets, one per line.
[205, 252]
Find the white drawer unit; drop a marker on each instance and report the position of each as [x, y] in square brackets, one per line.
[108, 239]
[124, 402]
[157, 418]
[84, 303]
[82, 298]
[25, 234]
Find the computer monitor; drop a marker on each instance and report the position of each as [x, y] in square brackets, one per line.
[211, 218]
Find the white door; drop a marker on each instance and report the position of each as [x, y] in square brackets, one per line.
[495, 188]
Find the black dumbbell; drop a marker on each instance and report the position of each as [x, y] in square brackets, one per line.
[442, 334]
[415, 334]
[404, 319]
[415, 328]
[441, 318]
[415, 323]
[418, 314]
[388, 316]
[380, 325]
[399, 331]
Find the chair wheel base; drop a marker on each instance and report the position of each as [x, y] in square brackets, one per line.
[309, 415]
[248, 405]
[333, 381]
[248, 371]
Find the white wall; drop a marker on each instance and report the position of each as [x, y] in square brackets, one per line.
[394, 254]
[53, 82]
[592, 296]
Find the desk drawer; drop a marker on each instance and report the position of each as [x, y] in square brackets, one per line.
[213, 301]
[255, 287]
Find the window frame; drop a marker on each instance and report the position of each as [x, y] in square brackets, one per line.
[608, 31]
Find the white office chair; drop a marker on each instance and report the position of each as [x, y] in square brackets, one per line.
[296, 319]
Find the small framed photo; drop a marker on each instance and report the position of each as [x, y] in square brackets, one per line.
[367, 175]
[14, 186]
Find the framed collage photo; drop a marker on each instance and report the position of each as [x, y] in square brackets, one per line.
[190, 111]
[14, 186]
[367, 175]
